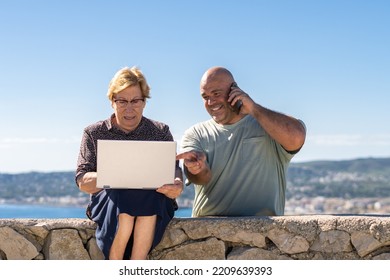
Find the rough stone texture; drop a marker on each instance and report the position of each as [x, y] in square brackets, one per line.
[385, 256]
[15, 246]
[288, 242]
[210, 249]
[332, 241]
[364, 243]
[249, 253]
[311, 237]
[53, 239]
[93, 250]
[65, 244]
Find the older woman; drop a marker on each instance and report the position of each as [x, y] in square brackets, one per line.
[130, 223]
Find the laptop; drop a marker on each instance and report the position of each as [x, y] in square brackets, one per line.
[135, 164]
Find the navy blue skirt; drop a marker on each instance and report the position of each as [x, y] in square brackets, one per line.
[106, 205]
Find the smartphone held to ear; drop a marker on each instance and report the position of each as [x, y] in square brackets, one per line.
[237, 106]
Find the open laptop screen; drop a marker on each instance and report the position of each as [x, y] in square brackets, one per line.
[135, 164]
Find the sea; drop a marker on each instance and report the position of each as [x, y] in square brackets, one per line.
[22, 211]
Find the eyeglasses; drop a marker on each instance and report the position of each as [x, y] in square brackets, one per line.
[135, 103]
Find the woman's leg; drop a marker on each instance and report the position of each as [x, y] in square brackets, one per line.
[144, 229]
[122, 236]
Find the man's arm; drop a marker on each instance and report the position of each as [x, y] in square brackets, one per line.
[287, 131]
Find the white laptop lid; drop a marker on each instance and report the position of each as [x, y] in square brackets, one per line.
[135, 164]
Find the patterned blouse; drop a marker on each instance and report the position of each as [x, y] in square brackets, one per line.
[147, 130]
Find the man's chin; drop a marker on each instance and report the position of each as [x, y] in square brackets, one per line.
[215, 118]
[218, 120]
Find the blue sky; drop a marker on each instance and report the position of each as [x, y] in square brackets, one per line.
[326, 62]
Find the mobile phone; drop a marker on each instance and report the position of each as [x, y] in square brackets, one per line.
[237, 106]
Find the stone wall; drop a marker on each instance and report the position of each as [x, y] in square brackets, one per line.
[216, 238]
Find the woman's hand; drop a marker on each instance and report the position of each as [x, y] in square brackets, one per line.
[87, 183]
[172, 190]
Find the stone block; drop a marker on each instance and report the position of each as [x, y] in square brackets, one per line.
[15, 246]
[65, 244]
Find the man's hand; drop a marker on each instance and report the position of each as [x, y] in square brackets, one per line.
[196, 167]
[237, 95]
[194, 161]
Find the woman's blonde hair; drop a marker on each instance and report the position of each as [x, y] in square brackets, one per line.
[126, 77]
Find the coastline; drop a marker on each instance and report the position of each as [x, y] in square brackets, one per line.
[38, 211]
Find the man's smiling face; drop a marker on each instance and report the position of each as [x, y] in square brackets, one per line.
[215, 93]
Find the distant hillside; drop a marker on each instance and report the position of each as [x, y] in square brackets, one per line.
[358, 178]
[369, 177]
[38, 186]
[375, 166]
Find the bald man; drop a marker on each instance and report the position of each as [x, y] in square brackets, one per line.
[238, 160]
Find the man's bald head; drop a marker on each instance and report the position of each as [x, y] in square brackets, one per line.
[216, 73]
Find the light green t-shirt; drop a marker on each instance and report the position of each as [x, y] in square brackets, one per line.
[248, 169]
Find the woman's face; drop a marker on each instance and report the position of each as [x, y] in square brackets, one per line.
[128, 106]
